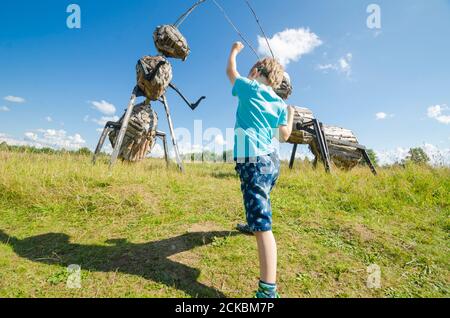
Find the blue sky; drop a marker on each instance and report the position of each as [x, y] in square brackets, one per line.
[50, 75]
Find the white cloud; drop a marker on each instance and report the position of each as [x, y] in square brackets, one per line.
[343, 65]
[102, 121]
[290, 45]
[14, 99]
[40, 138]
[31, 136]
[438, 156]
[49, 119]
[55, 139]
[215, 143]
[107, 148]
[383, 115]
[326, 67]
[387, 157]
[219, 140]
[157, 151]
[4, 109]
[104, 107]
[12, 141]
[186, 148]
[285, 151]
[435, 112]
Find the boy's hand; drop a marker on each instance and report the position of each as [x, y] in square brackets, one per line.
[237, 47]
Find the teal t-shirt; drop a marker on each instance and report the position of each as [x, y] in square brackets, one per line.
[259, 115]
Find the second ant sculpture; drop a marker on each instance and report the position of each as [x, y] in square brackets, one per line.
[328, 144]
[134, 135]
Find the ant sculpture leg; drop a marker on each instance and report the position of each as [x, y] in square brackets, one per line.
[294, 151]
[172, 133]
[108, 128]
[163, 137]
[193, 106]
[124, 127]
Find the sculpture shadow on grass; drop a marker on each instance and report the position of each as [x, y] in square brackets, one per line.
[148, 260]
[225, 175]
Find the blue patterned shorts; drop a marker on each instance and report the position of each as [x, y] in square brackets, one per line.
[258, 177]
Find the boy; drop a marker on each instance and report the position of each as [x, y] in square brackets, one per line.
[261, 115]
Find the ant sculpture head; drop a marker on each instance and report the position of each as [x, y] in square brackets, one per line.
[170, 42]
[285, 89]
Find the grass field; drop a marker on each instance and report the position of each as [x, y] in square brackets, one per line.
[144, 231]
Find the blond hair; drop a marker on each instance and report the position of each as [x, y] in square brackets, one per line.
[272, 70]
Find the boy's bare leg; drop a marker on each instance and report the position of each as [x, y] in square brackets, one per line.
[267, 250]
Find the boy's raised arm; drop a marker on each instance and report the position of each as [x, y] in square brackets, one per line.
[232, 72]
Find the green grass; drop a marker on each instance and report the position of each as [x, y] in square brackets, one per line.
[144, 231]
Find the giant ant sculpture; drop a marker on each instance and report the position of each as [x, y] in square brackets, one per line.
[134, 135]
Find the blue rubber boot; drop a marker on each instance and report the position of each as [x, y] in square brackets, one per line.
[267, 291]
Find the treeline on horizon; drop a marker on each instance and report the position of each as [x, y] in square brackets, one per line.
[44, 150]
[416, 155]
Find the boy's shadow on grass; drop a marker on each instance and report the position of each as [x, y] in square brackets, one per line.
[148, 260]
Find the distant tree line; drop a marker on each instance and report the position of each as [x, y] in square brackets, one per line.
[415, 155]
[209, 156]
[45, 150]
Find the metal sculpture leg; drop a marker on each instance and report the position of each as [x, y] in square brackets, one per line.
[124, 127]
[172, 134]
[323, 147]
[325, 142]
[294, 151]
[193, 106]
[369, 162]
[163, 137]
[105, 133]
